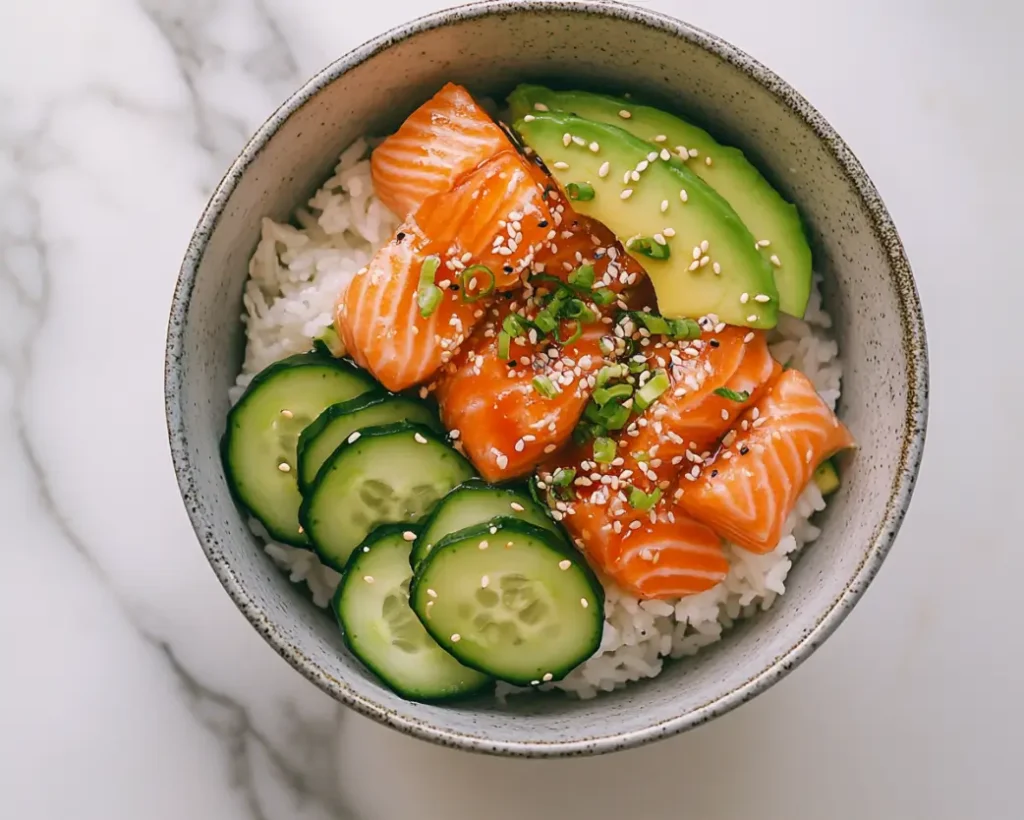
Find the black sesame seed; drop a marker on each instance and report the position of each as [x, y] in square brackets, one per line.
[400, 236]
[512, 362]
[744, 450]
[714, 473]
[714, 343]
[453, 286]
[542, 224]
[508, 269]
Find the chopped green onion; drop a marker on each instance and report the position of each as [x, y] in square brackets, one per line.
[612, 416]
[513, 325]
[577, 309]
[732, 395]
[609, 372]
[649, 393]
[603, 395]
[545, 322]
[576, 333]
[467, 277]
[683, 329]
[504, 340]
[639, 500]
[546, 387]
[652, 321]
[583, 276]
[563, 476]
[604, 450]
[428, 295]
[585, 431]
[603, 296]
[580, 191]
[646, 246]
[637, 367]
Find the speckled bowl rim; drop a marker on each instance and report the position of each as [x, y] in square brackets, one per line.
[911, 446]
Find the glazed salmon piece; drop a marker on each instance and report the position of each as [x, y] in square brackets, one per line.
[446, 137]
[690, 417]
[494, 216]
[656, 553]
[506, 426]
[582, 241]
[380, 322]
[749, 489]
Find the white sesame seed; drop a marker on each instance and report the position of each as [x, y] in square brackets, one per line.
[540, 107]
[693, 152]
[562, 166]
[704, 260]
[625, 114]
[547, 676]
[603, 170]
[695, 264]
[626, 194]
[584, 603]
[501, 461]
[707, 161]
[284, 467]
[287, 414]
[716, 267]
[775, 260]
[704, 245]
[725, 415]
[550, 448]
[484, 582]
[752, 317]
[529, 118]
[483, 545]
[763, 243]
[564, 564]
[566, 139]
[665, 155]
[642, 165]
[595, 147]
[660, 138]
[368, 579]
[762, 297]
[456, 637]
[354, 437]
[431, 593]
[669, 232]
[420, 438]
[664, 205]
[744, 298]
[660, 239]
[749, 337]
[683, 195]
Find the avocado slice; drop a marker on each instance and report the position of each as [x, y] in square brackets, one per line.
[762, 209]
[698, 253]
[826, 477]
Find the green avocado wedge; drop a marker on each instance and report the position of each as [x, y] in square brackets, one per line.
[769, 217]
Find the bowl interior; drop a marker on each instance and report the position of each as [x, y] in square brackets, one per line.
[609, 48]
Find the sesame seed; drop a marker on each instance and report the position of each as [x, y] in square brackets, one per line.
[584, 603]
[579, 140]
[665, 155]
[707, 161]
[725, 415]
[642, 165]
[284, 467]
[626, 194]
[762, 297]
[744, 298]
[763, 243]
[409, 535]
[529, 118]
[594, 146]
[287, 414]
[483, 545]
[704, 260]
[354, 437]
[696, 253]
[562, 166]
[664, 205]
[683, 195]
[660, 239]
[420, 438]
[502, 461]
[669, 232]
[431, 593]
[547, 676]
[660, 138]
[368, 579]
[625, 114]
[704, 245]
[456, 637]
[550, 448]
[564, 564]
[716, 267]
[752, 317]
[540, 107]
[484, 582]
[566, 139]
[749, 337]
[626, 177]
[775, 260]
[695, 264]
[454, 434]
[693, 152]
[603, 170]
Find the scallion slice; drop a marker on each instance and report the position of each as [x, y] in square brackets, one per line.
[603, 395]
[583, 276]
[649, 393]
[639, 500]
[604, 450]
[580, 191]
[504, 341]
[428, 295]
[468, 281]
[646, 246]
[546, 387]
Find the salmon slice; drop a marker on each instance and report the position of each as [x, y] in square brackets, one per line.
[495, 216]
[506, 426]
[656, 553]
[749, 489]
[446, 137]
[380, 321]
[689, 418]
[582, 241]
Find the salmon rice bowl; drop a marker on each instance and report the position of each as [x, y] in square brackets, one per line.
[538, 400]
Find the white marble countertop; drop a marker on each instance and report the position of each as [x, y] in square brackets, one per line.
[130, 687]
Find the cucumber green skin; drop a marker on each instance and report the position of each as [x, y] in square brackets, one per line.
[293, 537]
[387, 531]
[374, 398]
[762, 208]
[507, 529]
[745, 269]
[421, 549]
[328, 466]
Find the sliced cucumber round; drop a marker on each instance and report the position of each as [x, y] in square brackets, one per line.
[388, 474]
[477, 502]
[515, 603]
[259, 444]
[372, 608]
[339, 421]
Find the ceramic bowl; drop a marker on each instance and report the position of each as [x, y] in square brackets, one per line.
[603, 45]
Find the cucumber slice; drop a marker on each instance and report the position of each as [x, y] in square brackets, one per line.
[477, 502]
[826, 477]
[516, 603]
[259, 444]
[339, 421]
[389, 474]
[372, 608]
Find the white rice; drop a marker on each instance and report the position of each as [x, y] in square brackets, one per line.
[295, 276]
